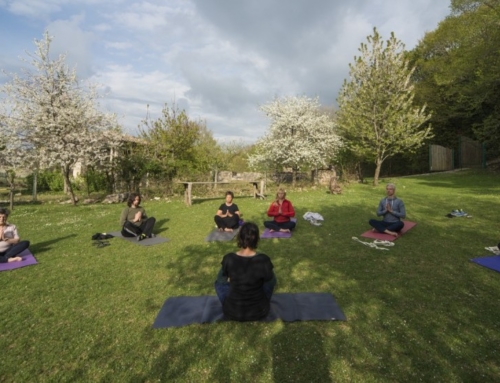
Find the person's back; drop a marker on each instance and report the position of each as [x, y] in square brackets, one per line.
[246, 300]
[245, 282]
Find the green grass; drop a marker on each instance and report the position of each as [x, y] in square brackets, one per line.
[418, 312]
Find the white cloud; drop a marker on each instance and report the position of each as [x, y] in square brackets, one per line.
[220, 59]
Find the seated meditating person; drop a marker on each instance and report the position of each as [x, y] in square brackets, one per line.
[134, 221]
[281, 210]
[227, 217]
[393, 210]
[246, 281]
[10, 243]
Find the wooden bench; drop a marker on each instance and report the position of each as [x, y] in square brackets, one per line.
[188, 186]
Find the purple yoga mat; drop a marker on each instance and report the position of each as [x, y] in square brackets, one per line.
[386, 237]
[28, 259]
[274, 234]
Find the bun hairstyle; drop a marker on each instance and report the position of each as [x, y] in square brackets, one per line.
[248, 236]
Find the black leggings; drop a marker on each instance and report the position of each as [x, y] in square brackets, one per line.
[14, 250]
[227, 222]
[146, 228]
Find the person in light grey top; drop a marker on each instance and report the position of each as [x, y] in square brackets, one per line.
[393, 210]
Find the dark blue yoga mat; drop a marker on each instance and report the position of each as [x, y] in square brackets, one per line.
[491, 262]
[183, 311]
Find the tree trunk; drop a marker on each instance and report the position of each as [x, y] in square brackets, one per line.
[294, 176]
[11, 177]
[11, 198]
[378, 163]
[67, 182]
[35, 182]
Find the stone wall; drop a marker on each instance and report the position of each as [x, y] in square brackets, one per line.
[225, 176]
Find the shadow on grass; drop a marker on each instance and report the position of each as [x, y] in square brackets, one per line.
[413, 311]
[42, 247]
[159, 225]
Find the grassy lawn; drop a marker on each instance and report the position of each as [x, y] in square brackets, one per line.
[418, 312]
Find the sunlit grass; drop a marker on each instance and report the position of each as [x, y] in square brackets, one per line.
[418, 312]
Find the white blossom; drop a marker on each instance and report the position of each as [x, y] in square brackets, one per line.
[300, 135]
[55, 117]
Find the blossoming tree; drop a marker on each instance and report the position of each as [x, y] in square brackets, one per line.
[55, 116]
[300, 135]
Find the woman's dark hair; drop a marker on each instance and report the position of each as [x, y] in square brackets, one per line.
[230, 193]
[131, 199]
[4, 211]
[248, 236]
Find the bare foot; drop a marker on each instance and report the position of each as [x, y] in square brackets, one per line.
[15, 259]
[393, 233]
[285, 230]
[271, 230]
[374, 230]
[220, 229]
[228, 229]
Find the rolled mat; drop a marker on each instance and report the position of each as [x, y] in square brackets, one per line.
[28, 259]
[289, 307]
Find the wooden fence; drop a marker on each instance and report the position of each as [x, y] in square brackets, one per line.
[471, 153]
[440, 158]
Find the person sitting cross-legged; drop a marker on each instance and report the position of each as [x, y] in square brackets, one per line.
[134, 221]
[10, 243]
[246, 280]
[227, 217]
[393, 210]
[281, 210]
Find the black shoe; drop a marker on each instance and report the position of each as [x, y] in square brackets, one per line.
[141, 237]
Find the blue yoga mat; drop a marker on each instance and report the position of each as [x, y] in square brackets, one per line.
[491, 262]
[183, 311]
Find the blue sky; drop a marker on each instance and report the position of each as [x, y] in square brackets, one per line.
[218, 59]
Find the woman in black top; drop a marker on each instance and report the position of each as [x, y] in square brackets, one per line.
[246, 281]
[227, 217]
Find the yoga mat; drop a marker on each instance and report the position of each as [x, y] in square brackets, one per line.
[28, 259]
[216, 235]
[491, 262]
[183, 311]
[145, 242]
[275, 234]
[387, 237]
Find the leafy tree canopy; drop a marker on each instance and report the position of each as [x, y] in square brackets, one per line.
[377, 116]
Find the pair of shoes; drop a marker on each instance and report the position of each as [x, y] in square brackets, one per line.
[99, 244]
[141, 237]
[383, 243]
